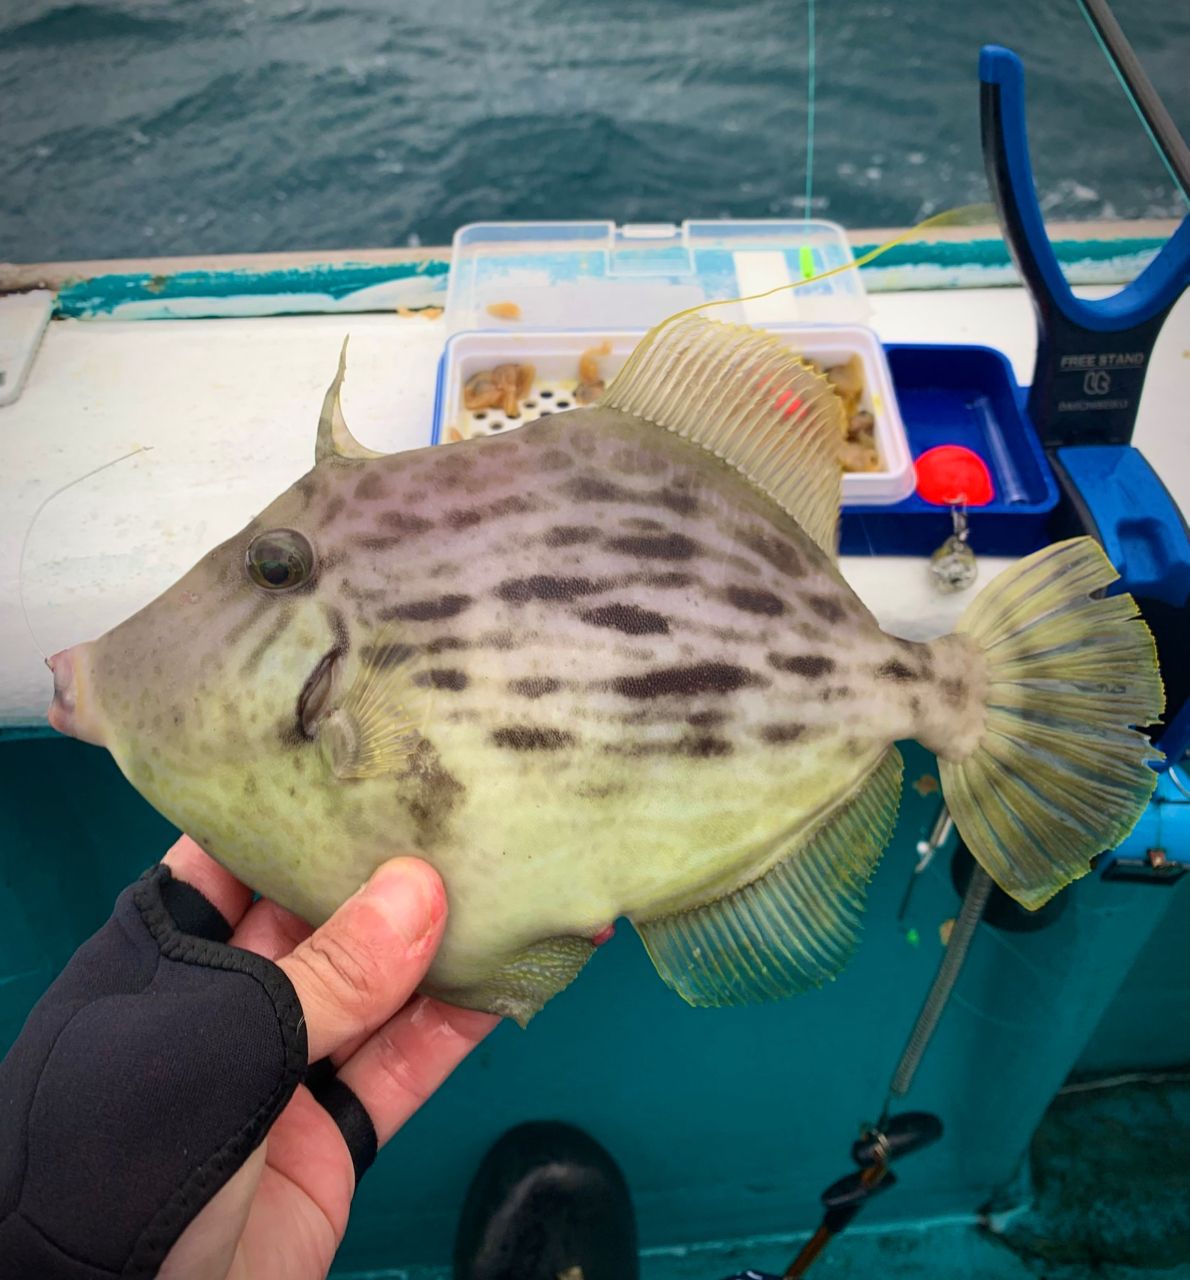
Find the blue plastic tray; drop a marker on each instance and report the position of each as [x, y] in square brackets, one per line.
[969, 396]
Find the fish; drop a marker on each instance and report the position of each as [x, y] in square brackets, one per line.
[607, 667]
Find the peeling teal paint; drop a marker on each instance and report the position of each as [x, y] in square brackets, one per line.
[101, 295]
[375, 286]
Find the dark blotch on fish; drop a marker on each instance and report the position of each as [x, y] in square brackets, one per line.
[677, 501]
[780, 554]
[700, 747]
[629, 618]
[405, 522]
[706, 719]
[669, 546]
[954, 691]
[704, 747]
[895, 669]
[377, 543]
[515, 504]
[554, 460]
[827, 608]
[542, 586]
[582, 440]
[534, 686]
[427, 610]
[442, 678]
[452, 468]
[600, 791]
[332, 508]
[814, 634]
[338, 626]
[810, 665]
[437, 793]
[642, 524]
[593, 489]
[446, 644]
[636, 461]
[667, 580]
[702, 677]
[778, 734]
[466, 518]
[752, 600]
[386, 656]
[370, 487]
[569, 535]
[526, 738]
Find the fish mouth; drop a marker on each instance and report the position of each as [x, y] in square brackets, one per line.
[73, 711]
[315, 696]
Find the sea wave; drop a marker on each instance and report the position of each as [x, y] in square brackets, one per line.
[139, 127]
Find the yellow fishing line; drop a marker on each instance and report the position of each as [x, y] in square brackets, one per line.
[964, 216]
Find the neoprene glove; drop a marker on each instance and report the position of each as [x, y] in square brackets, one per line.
[181, 1052]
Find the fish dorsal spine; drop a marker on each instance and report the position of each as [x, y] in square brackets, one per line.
[745, 397]
[334, 438]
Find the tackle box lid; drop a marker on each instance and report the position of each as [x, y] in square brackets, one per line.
[592, 275]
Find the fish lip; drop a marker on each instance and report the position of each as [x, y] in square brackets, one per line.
[314, 699]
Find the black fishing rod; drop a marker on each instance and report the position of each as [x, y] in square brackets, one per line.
[1140, 89]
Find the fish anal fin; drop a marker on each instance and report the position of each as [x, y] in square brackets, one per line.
[377, 723]
[746, 397]
[794, 927]
[519, 988]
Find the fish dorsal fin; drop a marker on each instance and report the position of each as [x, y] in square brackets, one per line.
[798, 924]
[334, 439]
[745, 397]
[377, 724]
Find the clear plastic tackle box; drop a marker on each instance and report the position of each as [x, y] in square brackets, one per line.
[552, 296]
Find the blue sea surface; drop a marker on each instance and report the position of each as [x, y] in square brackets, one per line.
[146, 127]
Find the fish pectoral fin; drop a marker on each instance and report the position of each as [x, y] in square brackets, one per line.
[519, 988]
[794, 927]
[378, 722]
[744, 396]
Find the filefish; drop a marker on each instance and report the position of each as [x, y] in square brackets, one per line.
[606, 666]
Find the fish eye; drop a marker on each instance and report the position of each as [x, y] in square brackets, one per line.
[279, 560]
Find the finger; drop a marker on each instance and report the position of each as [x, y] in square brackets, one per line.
[402, 1064]
[206, 1249]
[352, 974]
[270, 930]
[189, 863]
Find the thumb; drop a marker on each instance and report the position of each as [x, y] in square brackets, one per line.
[355, 971]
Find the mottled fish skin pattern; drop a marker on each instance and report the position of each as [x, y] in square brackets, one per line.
[646, 680]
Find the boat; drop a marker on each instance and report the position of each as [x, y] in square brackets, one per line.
[201, 380]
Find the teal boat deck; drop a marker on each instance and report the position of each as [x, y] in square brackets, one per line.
[729, 1123]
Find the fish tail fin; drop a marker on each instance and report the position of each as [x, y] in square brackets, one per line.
[1041, 765]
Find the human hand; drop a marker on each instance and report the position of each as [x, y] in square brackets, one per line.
[284, 1212]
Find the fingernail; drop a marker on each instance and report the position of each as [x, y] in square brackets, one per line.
[410, 894]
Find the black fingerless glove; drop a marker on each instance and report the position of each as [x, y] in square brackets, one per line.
[142, 1080]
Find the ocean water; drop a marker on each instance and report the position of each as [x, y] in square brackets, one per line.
[144, 127]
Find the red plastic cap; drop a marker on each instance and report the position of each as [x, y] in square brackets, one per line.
[951, 473]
